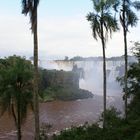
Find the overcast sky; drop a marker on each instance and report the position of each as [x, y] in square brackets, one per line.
[62, 30]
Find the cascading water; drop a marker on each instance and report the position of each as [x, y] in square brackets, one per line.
[93, 74]
[93, 77]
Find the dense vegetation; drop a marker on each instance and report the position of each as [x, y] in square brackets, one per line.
[117, 128]
[19, 79]
[61, 85]
[16, 87]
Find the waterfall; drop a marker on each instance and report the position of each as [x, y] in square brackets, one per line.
[93, 74]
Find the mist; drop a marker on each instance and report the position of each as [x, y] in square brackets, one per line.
[91, 78]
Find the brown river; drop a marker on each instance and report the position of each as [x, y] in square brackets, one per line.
[60, 114]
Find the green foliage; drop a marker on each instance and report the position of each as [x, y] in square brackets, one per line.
[113, 130]
[85, 132]
[65, 93]
[30, 7]
[55, 78]
[102, 16]
[61, 85]
[112, 118]
[117, 128]
[131, 18]
[16, 76]
[137, 136]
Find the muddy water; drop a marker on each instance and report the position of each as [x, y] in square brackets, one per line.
[60, 114]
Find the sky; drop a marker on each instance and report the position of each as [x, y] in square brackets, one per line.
[62, 31]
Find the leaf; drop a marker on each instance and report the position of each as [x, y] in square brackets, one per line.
[136, 4]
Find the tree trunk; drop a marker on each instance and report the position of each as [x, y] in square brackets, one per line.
[18, 117]
[104, 76]
[13, 113]
[126, 61]
[36, 103]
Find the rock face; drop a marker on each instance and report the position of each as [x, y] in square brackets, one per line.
[54, 78]
[63, 85]
[91, 72]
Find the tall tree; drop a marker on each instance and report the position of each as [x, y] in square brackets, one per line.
[103, 23]
[127, 18]
[30, 7]
[16, 76]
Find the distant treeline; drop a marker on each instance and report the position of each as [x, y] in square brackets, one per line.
[99, 58]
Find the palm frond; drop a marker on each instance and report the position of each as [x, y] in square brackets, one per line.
[27, 100]
[110, 24]
[116, 5]
[136, 4]
[108, 4]
[95, 24]
[131, 17]
[96, 5]
[30, 7]
[5, 101]
[121, 18]
[102, 8]
[128, 2]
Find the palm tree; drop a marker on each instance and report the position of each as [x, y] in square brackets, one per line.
[127, 18]
[30, 7]
[16, 89]
[102, 24]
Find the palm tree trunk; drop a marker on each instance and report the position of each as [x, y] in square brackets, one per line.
[126, 61]
[36, 103]
[13, 113]
[104, 76]
[18, 117]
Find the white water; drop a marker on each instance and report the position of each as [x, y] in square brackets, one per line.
[93, 74]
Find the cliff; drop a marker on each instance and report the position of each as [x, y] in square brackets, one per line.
[62, 85]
